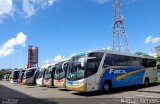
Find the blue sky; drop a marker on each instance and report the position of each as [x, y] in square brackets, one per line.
[61, 28]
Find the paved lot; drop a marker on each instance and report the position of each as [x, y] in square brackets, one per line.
[63, 96]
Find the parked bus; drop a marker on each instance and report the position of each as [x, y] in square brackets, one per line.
[20, 78]
[14, 76]
[6, 77]
[60, 74]
[49, 75]
[104, 70]
[30, 75]
[40, 78]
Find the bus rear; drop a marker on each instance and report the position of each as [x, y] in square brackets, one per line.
[14, 76]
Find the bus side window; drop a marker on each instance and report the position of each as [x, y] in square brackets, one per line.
[110, 60]
[92, 66]
[149, 63]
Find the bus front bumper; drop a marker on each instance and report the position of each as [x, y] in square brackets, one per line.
[60, 83]
[78, 88]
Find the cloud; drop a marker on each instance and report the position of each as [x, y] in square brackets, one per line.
[6, 9]
[108, 48]
[150, 39]
[153, 54]
[101, 1]
[58, 58]
[47, 61]
[30, 7]
[8, 47]
[52, 60]
[45, 65]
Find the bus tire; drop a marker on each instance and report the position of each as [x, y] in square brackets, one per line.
[146, 82]
[107, 87]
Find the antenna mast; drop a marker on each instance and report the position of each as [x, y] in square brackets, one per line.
[120, 39]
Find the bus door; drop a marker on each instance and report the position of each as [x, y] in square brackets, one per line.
[91, 70]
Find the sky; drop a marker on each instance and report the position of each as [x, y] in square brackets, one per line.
[61, 28]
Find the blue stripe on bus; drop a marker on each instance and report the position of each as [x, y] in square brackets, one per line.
[70, 82]
[133, 79]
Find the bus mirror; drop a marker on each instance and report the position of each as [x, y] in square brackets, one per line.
[105, 66]
[83, 62]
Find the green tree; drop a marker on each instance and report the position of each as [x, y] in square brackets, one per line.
[1, 74]
[158, 60]
[157, 51]
[143, 54]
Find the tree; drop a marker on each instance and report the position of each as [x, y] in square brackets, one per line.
[158, 60]
[157, 51]
[1, 74]
[143, 54]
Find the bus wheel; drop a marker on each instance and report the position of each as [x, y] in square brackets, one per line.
[146, 82]
[106, 87]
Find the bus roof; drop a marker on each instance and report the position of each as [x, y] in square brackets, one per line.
[112, 52]
[45, 66]
[33, 68]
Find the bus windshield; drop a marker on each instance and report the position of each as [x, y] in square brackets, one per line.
[50, 72]
[75, 69]
[84, 65]
[59, 73]
[41, 73]
[61, 70]
[28, 74]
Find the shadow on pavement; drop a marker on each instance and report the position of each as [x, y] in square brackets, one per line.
[63, 89]
[157, 92]
[10, 96]
[116, 91]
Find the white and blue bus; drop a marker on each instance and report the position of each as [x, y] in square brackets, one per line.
[104, 70]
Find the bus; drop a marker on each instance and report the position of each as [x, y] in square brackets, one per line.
[40, 78]
[20, 78]
[6, 77]
[60, 74]
[14, 76]
[49, 75]
[30, 75]
[102, 70]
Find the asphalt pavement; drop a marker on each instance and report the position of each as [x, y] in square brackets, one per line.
[32, 94]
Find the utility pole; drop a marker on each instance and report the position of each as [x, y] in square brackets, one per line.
[120, 39]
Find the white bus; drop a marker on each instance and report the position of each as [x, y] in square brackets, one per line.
[60, 74]
[104, 70]
[40, 78]
[49, 75]
[30, 75]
